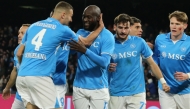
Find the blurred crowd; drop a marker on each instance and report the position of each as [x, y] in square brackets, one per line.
[8, 42]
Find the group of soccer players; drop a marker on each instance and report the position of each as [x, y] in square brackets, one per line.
[109, 72]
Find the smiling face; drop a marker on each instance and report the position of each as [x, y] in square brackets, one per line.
[90, 19]
[176, 27]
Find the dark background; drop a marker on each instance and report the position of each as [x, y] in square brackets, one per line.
[153, 12]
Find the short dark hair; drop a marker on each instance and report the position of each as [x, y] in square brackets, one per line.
[63, 5]
[26, 25]
[135, 20]
[180, 16]
[122, 18]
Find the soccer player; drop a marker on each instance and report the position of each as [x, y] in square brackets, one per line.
[172, 54]
[136, 29]
[17, 104]
[91, 82]
[38, 48]
[127, 84]
[59, 77]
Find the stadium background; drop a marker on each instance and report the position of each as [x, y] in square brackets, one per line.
[13, 13]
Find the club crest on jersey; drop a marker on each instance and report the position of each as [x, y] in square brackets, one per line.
[114, 56]
[164, 54]
[132, 45]
[183, 49]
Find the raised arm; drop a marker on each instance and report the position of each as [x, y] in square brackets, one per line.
[91, 37]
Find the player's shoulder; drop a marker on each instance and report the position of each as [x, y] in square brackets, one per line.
[135, 38]
[106, 31]
[162, 36]
[106, 34]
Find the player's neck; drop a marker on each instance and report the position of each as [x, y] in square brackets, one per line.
[176, 37]
[121, 39]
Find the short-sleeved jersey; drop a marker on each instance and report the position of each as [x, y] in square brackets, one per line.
[62, 54]
[16, 64]
[172, 57]
[89, 75]
[41, 40]
[128, 79]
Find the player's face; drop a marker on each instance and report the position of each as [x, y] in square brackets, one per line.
[136, 30]
[21, 33]
[89, 20]
[176, 27]
[68, 17]
[122, 30]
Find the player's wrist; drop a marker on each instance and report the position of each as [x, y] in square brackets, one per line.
[188, 74]
[163, 81]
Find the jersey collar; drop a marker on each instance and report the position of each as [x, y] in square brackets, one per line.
[129, 37]
[184, 36]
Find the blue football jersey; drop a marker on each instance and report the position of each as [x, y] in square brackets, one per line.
[128, 79]
[89, 75]
[16, 64]
[172, 57]
[62, 54]
[41, 40]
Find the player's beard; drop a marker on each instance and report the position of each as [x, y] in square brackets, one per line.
[122, 36]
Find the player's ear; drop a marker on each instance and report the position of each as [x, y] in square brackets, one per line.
[63, 14]
[185, 26]
[114, 27]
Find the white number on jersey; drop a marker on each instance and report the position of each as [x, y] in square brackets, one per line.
[37, 40]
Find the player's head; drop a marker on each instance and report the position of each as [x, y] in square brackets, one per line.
[178, 23]
[91, 17]
[122, 26]
[63, 12]
[136, 27]
[22, 31]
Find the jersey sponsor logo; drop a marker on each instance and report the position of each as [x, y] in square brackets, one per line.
[95, 44]
[66, 47]
[173, 56]
[127, 54]
[124, 55]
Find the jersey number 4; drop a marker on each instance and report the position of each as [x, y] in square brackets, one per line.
[37, 40]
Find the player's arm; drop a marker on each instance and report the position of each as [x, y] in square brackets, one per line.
[10, 83]
[20, 53]
[92, 36]
[181, 76]
[157, 72]
[101, 60]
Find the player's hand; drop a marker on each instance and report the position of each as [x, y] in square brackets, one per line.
[6, 93]
[112, 67]
[101, 23]
[165, 88]
[150, 45]
[77, 46]
[180, 76]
